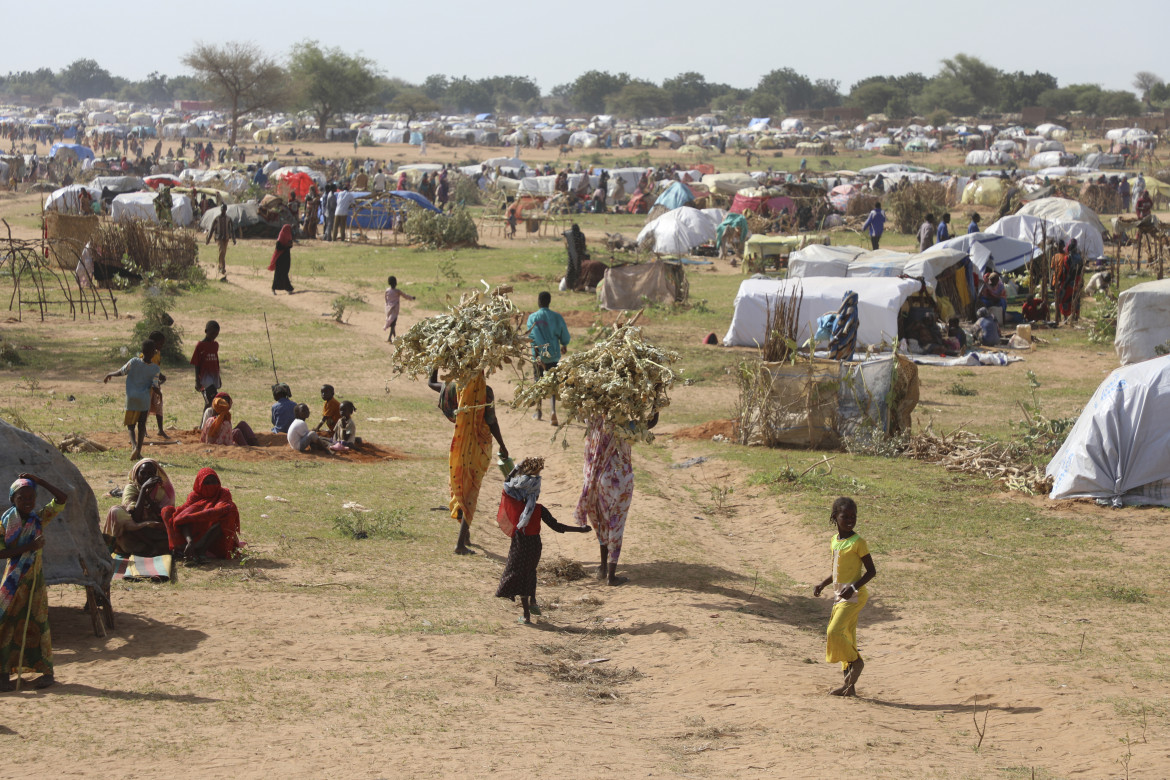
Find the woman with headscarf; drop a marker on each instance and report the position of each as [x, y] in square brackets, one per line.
[1063, 281]
[25, 644]
[607, 491]
[282, 261]
[472, 409]
[312, 212]
[443, 193]
[207, 522]
[217, 425]
[575, 244]
[135, 526]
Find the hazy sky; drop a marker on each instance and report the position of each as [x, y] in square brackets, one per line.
[1076, 41]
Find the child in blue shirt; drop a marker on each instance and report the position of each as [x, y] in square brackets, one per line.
[140, 374]
[284, 411]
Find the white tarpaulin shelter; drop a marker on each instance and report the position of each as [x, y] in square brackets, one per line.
[728, 183]
[1062, 210]
[878, 303]
[680, 230]
[1143, 321]
[1034, 229]
[870, 264]
[987, 157]
[1116, 452]
[1006, 253]
[68, 199]
[140, 205]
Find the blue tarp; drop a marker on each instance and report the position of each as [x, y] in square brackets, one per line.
[376, 216]
[483, 117]
[82, 152]
[416, 138]
[677, 194]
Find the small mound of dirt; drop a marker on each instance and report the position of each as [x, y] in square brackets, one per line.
[270, 446]
[525, 277]
[558, 570]
[706, 431]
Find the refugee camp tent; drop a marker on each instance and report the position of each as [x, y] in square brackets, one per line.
[1033, 230]
[118, 184]
[68, 199]
[1116, 451]
[140, 205]
[1143, 321]
[728, 183]
[878, 303]
[73, 541]
[986, 191]
[246, 219]
[674, 196]
[76, 151]
[821, 260]
[627, 287]
[754, 199]
[1050, 159]
[840, 196]
[1007, 254]
[156, 180]
[987, 157]
[583, 140]
[679, 231]
[317, 177]
[1062, 210]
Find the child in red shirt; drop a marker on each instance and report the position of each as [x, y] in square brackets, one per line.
[206, 362]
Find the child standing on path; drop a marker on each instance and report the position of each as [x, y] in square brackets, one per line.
[206, 362]
[850, 557]
[139, 373]
[394, 298]
[156, 399]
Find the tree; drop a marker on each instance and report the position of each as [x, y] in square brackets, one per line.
[241, 76]
[1019, 90]
[331, 82]
[640, 99]
[980, 79]
[1144, 81]
[412, 102]
[873, 96]
[85, 79]
[435, 87]
[688, 92]
[594, 87]
[791, 90]
[465, 96]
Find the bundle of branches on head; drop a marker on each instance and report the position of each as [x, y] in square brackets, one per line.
[623, 379]
[482, 333]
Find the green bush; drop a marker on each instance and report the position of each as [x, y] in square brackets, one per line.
[433, 230]
[379, 524]
[1103, 320]
[155, 305]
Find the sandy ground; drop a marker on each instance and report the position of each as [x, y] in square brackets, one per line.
[292, 674]
[703, 675]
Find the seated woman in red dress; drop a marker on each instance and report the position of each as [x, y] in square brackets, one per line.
[207, 522]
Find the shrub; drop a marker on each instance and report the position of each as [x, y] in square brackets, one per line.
[155, 304]
[380, 524]
[433, 230]
[1103, 320]
[910, 204]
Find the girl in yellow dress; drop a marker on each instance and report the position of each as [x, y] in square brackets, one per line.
[850, 557]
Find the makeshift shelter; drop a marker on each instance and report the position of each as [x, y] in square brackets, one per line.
[140, 205]
[985, 191]
[678, 232]
[118, 184]
[984, 249]
[879, 301]
[1143, 321]
[761, 200]
[733, 222]
[156, 180]
[67, 151]
[821, 260]
[1116, 451]
[1062, 210]
[247, 220]
[1034, 229]
[74, 553]
[627, 287]
[674, 196]
[987, 157]
[839, 196]
[291, 170]
[68, 199]
[728, 183]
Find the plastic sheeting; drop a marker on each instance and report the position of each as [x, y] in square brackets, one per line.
[1032, 229]
[878, 303]
[1062, 210]
[1006, 253]
[987, 191]
[628, 287]
[68, 199]
[1116, 452]
[728, 183]
[140, 205]
[988, 157]
[1143, 321]
[825, 262]
[678, 232]
[674, 196]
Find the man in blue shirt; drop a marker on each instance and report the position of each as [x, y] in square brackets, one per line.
[549, 336]
[943, 232]
[875, 224]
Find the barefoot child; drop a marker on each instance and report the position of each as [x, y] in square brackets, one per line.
[206, 362]
[330, 410]
[284, 411]
[850, 557]
[139, 373]
[24, 600]
[520, 517]
[156, 400]
[345, 434]
[394, 298]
